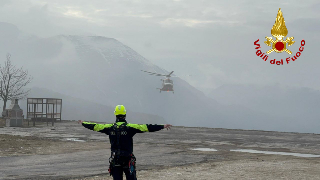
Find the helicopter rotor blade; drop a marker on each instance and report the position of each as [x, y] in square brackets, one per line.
[157, 74]
[147, 71]
[182, 76]
[170, 74]
[152, 73]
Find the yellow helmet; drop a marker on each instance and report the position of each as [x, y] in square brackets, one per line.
[120, 110]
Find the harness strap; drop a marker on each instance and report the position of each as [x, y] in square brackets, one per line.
[118, 134]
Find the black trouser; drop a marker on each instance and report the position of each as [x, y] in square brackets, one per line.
[121, 165]
[117, 173]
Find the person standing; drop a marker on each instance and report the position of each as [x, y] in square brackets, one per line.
[122, 159]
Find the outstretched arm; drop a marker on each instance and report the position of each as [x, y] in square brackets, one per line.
[141, 128]
[103, 128]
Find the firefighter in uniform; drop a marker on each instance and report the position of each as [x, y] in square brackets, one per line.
[120, 135]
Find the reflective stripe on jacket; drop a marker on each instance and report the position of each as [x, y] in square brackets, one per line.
[126, 133]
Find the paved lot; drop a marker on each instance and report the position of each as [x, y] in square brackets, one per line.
[69, 151]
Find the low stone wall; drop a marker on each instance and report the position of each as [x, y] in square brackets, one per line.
[14, 122]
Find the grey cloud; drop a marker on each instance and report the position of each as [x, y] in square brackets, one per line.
[306, 25]
[218, 51]
[315, 7]
[227, 46]
[4, 2]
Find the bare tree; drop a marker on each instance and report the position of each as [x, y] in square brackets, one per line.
[12, 82]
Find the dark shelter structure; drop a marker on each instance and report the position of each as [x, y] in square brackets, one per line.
[44, 109]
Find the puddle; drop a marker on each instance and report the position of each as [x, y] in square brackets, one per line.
[204, 149]
[75, 139]
[275, 153]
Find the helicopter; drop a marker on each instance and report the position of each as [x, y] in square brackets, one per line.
[167, 83]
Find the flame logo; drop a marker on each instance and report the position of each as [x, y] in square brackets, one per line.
[279, 28]
[279, 31]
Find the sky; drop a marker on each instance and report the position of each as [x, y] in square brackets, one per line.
[206, 42]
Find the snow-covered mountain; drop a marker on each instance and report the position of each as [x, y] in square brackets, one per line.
[105, 71]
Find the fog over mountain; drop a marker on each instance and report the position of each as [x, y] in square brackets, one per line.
[76, 109]
[293, 102]
[104, 71]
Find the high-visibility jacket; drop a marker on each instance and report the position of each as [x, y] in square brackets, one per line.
[121, 134]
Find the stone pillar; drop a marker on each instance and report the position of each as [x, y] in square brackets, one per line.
[14, 115]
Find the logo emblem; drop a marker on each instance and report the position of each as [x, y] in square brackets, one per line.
[279, 31]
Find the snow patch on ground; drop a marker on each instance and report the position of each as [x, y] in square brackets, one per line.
[75, 139]
[204, 149]
[275, 153]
